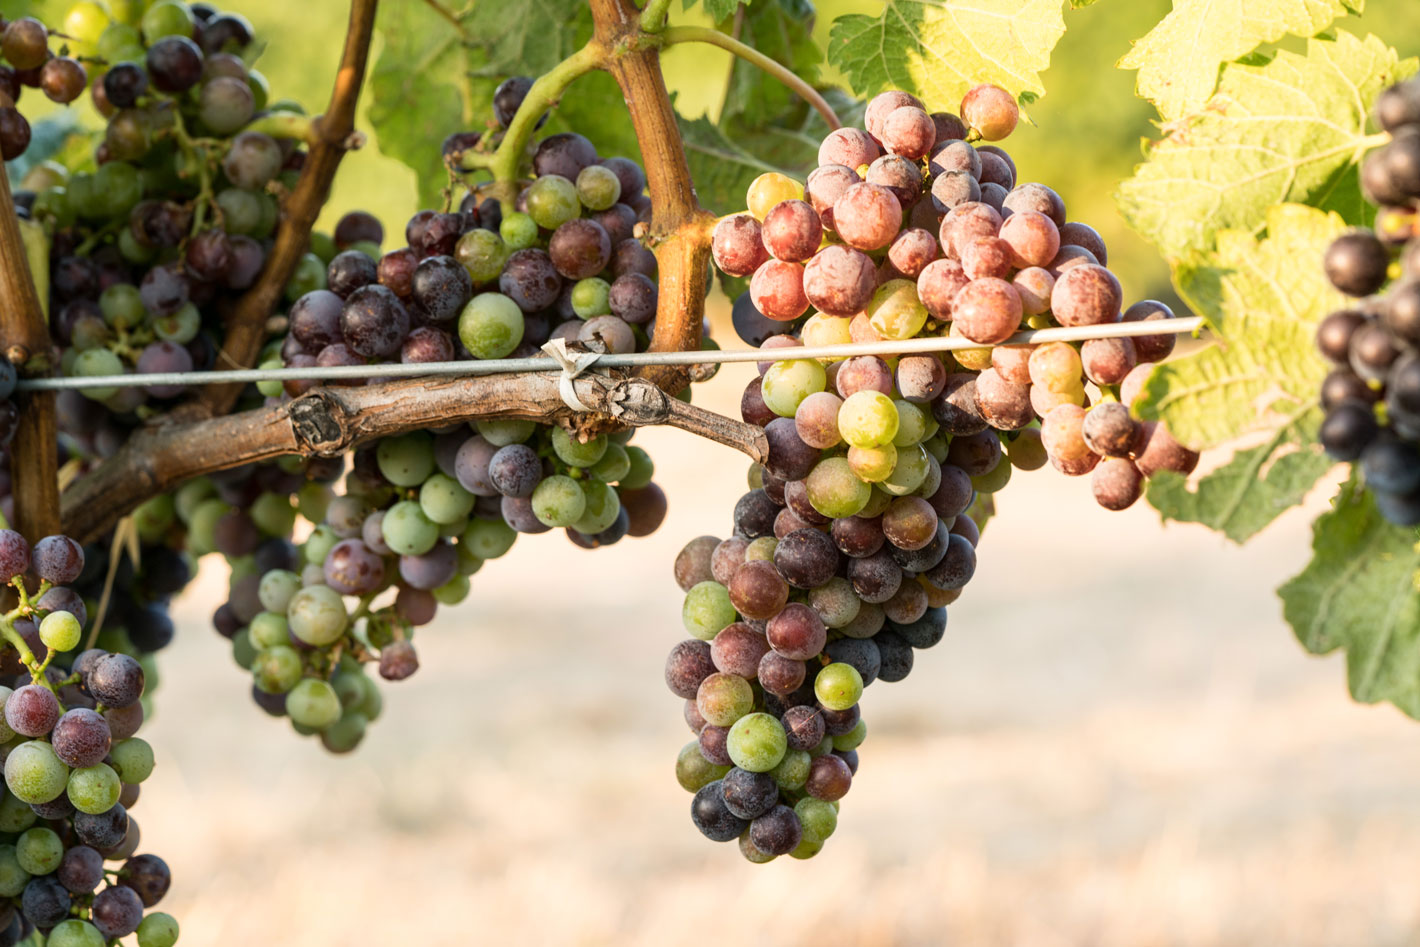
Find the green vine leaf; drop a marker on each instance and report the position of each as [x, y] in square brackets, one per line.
[782, 30]
[717, 9]
[722, 169]
[938, 49]
[1256, 486]
[1262, 298]
[1178, 60]
[1292, 129]
[1359, 593]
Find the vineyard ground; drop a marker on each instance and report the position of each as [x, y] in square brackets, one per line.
[1191, 779]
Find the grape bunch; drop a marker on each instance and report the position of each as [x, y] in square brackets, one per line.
[73, 766]
[1372, 395]
[29, 62]
[909, 229]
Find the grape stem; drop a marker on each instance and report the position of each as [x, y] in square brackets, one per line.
[701, 34]
[655, 16]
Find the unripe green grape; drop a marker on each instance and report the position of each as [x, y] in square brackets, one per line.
[602, 508]
[598, 187]
[912, 424]
[823, 329]
[761, 549]
[488, 539]
[614, 465]
[132, 759]
[500, 432]
[453, 591]
[225, 104]
[836, 602]
[994, 480]
[317, 615]
[769, 189]
[277, 588]
[270, 389]
[39, 850]
[166, 18]
[591, 297]
[642, 469]
[724, 698]
[155, 517]
[261, 94]
[807, 849]
[406, 460]
[908, 472]
[757, 743]
[92, 363]
[872, 464]
[838, 686]
[372, 703]
[120, 187]
[308, 277]
[444, 500]
[273, 514]
[94, 789]
[157, 930]
[552, 201]
[853, 738]
[241, 210]
[312, 500]
[202, 529]
[54, 203]
[518, 230]
[116, 41]
[835, 491]
[318, 544]
[269, 629]
[818, 818]
[6, 734]
[707, 609]
[243, 651]
[693, 771]
[491, 325]
[313, 703]
[793, 770]
[558, 501]
[75, 933]
[895, 311]
[575, 453]
[345, 734]
[469, 562]
[786, 384]
[407, 531]
[83, 25]
[483, 253]
[868, 419]
[34, 774]
[13, 877]
[60, 631]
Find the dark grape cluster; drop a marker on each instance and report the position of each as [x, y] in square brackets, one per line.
[73, 765]
[1372, 395]
[912, 228]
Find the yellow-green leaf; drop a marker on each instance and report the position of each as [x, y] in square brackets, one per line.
[938, 49]
[1292, 129]
[1178, 60]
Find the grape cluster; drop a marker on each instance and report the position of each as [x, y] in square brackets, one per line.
[73, 766]
[1372, 395]
[908, 229]
[29, 62]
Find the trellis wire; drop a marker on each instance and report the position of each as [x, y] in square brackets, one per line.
[635, 360]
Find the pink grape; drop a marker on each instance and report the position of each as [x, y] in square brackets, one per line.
[777, 290]
[912, 251]
[908, 131]
[991, 111]
[1086, 295]
[882, 105]
[825, 186]
[1108, 361]
[1077, 234]
[987, 310]
[1033, 238]
[851, 147]
[1116, 483]
[792, 231]
[738, 246]
[938, 285]
[987, 257]
[1151, 348]
[867, 216]
[1034, 285]
[839, 280]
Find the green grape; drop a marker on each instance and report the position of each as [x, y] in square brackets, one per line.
[598, 187]
[132, 758]
[575, 453]
[853, 738]
[75, 933]
[190, 495]
[39, 850]
[724, 698]
[406, 460]
[277, 588]
[323, 246]
[128, 245]
[241, 211]
[317, 615]
[909, 472]
[273, 514]
[591, 297]
[116, 41]
[872, 464]
[994, 480]
[182, 327]
[319, 544]
[167, 18]
[552, 201]
[558, 501]
[34, 774]
[788, 383]
[444, 500]
[261, 94]
[793, 770]
[308, 277]
[761, 549]
[243, 651]
[92, 363]
[836, 602]
[313, 499]
[346, 733]
[491, 325]
[54, 203]
[469, 562]
[835, 491]
[83, 25]
[868, 419]
[407, 531]
[15, 816]
[60, 631]
[642, 469]
[895, 311]
[823, 329]
[201, 532]
[707, 609]
[372, 703]
[6, 734]
[693, 771]
[122, 307]
[614, 465]
[807, 849]
[483, 253]
[120, 186]
[500, 432]
[769, 189]
[13, 877]
[518, 230]
[757, 742]
[277, 668]
[157, 930]
[313, 703]
[838, 686]
[817, 817]
[602, 508]
[94, 789]
[488, 539]
[912, 424]
[453, 591]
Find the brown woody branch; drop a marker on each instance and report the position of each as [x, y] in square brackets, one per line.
[331, 421]
[246, 327]
[24, 340]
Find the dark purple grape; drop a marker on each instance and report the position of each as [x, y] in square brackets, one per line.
[633, 297]
[442, 287]
[398, 661]
[713, 744]
[14, 555]
[564, 154]
[164, 290]
[579, 248]
[148, 876]
[789, 457]
[396, 270]
[45, 902]
[81, 869]
[427, 344]
[530, 279]
[175, 64]
[315, 319]
[115, 680]
[515, 470]
[630, 256]
[124, 84]
[777, 832]
[687, 665]
[358, 227]
[508, 98]
[432, 569]
[957, 566]
[351, 568]
[81, 738]
[374, 322]
[1356, 263]
[806, 558]
[875, 578]
[14, 133]
[895, 656]
[748, 795]
[103, 831]
[58, 559]
[209, 254]
[116, 911]
[712, 816]
[804, 727]
[349, 271]
[754, 515]
[829, 778]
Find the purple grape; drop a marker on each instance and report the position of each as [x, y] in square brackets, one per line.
[148, 876]
[351, 568]
[14, 554]
[164, 290]
[427, 344]
[81, 737]
[442, 287]
[530, 279]
[81, 869]
[115, 680]
[64, 599]
[579, 248]
[116, 911]
[431, 570]
[58, 559]
[32, 710]
[515, 470]
[175, 64]
[374, 322]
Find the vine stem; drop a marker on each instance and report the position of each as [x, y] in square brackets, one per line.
[655, 16]
[700, 34]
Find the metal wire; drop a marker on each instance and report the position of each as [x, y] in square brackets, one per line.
[546, 364]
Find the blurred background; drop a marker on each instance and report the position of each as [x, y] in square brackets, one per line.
[1118, 742]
